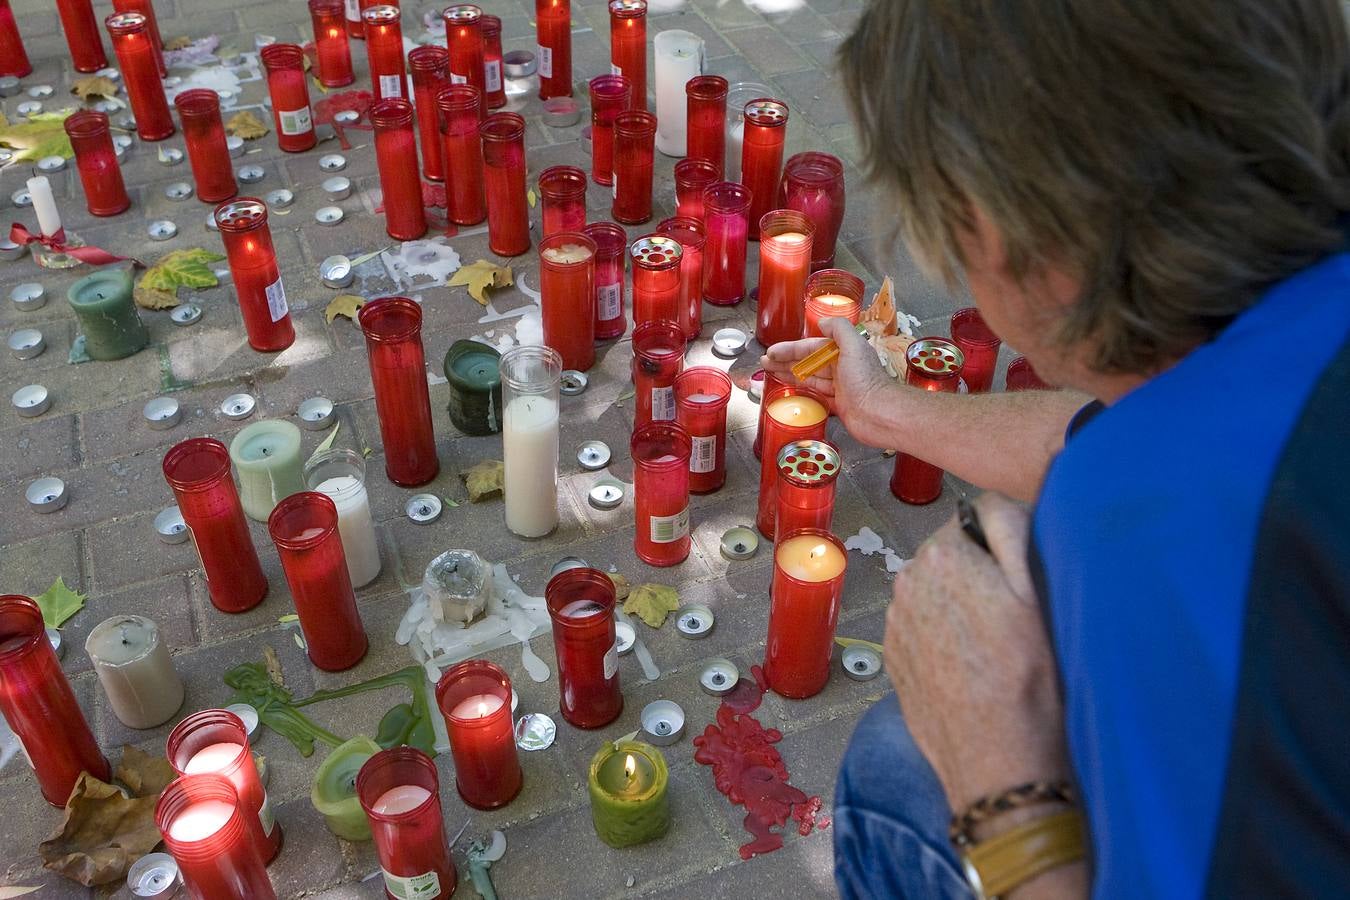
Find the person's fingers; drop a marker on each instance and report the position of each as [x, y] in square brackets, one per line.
[1007, 528]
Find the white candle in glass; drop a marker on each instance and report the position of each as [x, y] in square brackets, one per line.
[530, 450]
[136, 671]
[200, 820]
[340, 474]
[44, 205]
[679, 57]
[401, 799]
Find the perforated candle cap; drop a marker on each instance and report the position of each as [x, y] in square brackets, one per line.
[809, 462]
[656, 251]
[934, 357]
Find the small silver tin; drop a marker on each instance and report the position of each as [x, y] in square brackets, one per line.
[329, 215]
[58, 643]
[179, 190]
[21, 198]
[332, 162]
[211, 223]
[729, 343]
[122, 140]
[339, 187]
[187, 314]
[573, 382]
[250, 174]
[29, 108]
[662, 722]
[625, 636]
[162, 413]
[606, 494]
[695, 621]
[238, 406]
[567, 563]
[423, 509]
[10, 250]
[46, 495]
[247, 714]
[170, 156]
[6, 155]
[235, 144]
[28, 296]
[315, 414]
[222, 273]
[739, 543]
[40, 91]
[26, 343]
[519, 64]
[336, 272]
[107, 107]
[110, 73]
[561, 112]
[170, 527]
[280, 198]
[49, 164]
[31, 400]
[9, 86]
[346, 117]
[535, 731]
[860, 663]
[593, 455]
[719, 677]
[161, 230]
[154, 875]
[126, 123]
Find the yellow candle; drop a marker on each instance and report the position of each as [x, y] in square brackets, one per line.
[834, 300]
[808, 557]
[797, 411]
[789, 240]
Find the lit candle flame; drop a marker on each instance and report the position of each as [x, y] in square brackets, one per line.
[629, 767]
[482, 709]
[819, 550]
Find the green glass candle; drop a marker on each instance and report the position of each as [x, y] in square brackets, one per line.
[108, 318]
[334, 790]
[627, 783]
[266, 457]
[474, 372]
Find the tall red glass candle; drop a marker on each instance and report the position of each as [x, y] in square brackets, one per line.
[634, 150]
[82, 37]
[215, 741]
[429, 75]
[135, 50]
[13, 56]
[784, 264]
[660, 453]
[464, 38]
[332, 49]
[562, 195]
[474, 696]
[567, 297]
[504, 172]
[701, 397]
[254, 272]
[611, 249]
[1022, 377]
[384, 51]
[813, 183]
[400, 792]
[832, 293]
[762, 156]
[147, 9]
[808, 583]
[40, 707]
[725, 207]
[692, 178]
[355, 22]
[494, 88]
[205, 828]
[791, 413]
[807, 475]
[706, 107]
[979, 347]
[610, 95]
[198, 470]
[770, 385]
[104, 191]
[628, 46]
[656, 279]
[581, 607]
[304, 527]
[553, 25]
[460, 106]
[291, 113]
[204, 135]
[658, 358]
[689, 232]
[405, 219]
[393, 329]
[931, 364]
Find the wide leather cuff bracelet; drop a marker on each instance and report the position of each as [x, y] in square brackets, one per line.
[1003, 862]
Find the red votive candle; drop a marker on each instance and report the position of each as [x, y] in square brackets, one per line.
[356, 25]
[460, 108]
[611, 247]
[689, 232]
[304, 527]
[405, 219]
[1022, 377]
[813, 183]
[384, 51]
[692, 178]
[567, 296]
[393, 329]
[135, 51]
[581, 606]
[253, 268]
[807, 473]
[725, 209]
[701, 397]
[82, 37]
[474, 696]
[464, 38]
[205, 827]
[331, 46]
[634, 149]
[762, 156]
[706, 129]
[931, 364]
[658, 359]
[147, 9]
[291, 115]
[610, 95]
[39, 705]
[791, 413]
[784, 263]
[104, 191]
[766, 389]
[656, 279]
[562, 190]
[660, 453]
[831, 293]
[628, 46]
[979, 347]
[400, 793]
[13, 56]
[429, 75]
[198, 470]
[494, 89]
[808, 582]
[503, 137]
[553, 25]
[204, 136]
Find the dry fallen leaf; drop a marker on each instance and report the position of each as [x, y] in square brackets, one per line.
[621, 586]
[485, 480]
[102, 834]
[273, 665]
[94, 86]
[182, 42]
[246, 125]
[143, 774]
[41, 135]
[481, 276]
[652, 603]
[158, 287]
[343, 305]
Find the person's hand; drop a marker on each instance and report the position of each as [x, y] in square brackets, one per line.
[968, 653]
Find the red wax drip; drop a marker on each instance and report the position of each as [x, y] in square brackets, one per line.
[433, 195]
[330, 106]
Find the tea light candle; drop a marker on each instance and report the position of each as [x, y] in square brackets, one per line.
[334, 790]
[808, 581]
[205, 824]
[135, 669]
[627, 785]
[103, 303]
[474, 697]
[679, 57]
[266, 457]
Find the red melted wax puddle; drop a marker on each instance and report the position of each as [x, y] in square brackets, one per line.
[751, 773]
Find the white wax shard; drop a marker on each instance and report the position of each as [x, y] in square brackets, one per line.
[212, 78]
[530, 328]
[869, 543]
[421, 264]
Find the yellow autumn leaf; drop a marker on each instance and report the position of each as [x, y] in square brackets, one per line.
[182, 42]
[158, 287]
[246, 125]
[94, 86]
[532, 197]
[343, 305]
[485, 480]
[481, 276]
[857, 642]
[42, 135]
[621, 586]
[652, 603]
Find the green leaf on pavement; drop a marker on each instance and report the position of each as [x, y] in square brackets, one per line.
[652, 603]
[59, 603]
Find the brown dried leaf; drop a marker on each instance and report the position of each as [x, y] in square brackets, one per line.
[143, 774]
[621, 586]
[273, 665]
[154, 298]
[182, 42]
[102, 834]
[487, 479]
[246, 125]
[94, 86]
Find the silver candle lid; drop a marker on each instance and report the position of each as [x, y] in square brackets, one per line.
[121, 140]
[187, 314]
[593, 455]
[423, 509]
[234, 143]
[561, 112]
[518, 64]
[21, 198]
[111, 74]
[728, 343]
[565, 564]
[860, 663]
[572, 382]
[49, 164]
[606, 494]
[169, 156]
[535, 731]
[170, 526]
[9, 85]
[328, 215]
[339, 187]
[58, 643]
[222, 273]
[154, 875]
[179, 190]
[162, 413]
[31, 400]
[39, 91]
[695, 621]
[280, 198]
[28, 296]
[247, 714]
[126, 123]
[316, 413]
[26, 343]
[250, 174]
[238, 406]
[211, 223]
[161, 230]
[739, 543]
[46, 495]
[29, 108]
[719, 677]
[8, 249]
[625, 636]
[336, 272]
[662, 722]
[332, 162]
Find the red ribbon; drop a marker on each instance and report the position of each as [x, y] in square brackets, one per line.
[94, 256]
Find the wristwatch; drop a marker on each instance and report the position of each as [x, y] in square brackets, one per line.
[996, 866]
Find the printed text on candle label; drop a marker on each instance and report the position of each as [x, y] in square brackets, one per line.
[296, 121]
[545, 61]
[611, 661]
[704, 457]
[391, 86]
[663, 404]
[492, 75]
[458, 79]
[610, 298]
[413, 887]
[276, 301]
[353, 10]
[669, 529]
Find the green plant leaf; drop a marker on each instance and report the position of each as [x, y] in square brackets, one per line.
[58, 603]
[850, 642]
[43, 134]
[158, 287]
[327, 442]
[652, 603]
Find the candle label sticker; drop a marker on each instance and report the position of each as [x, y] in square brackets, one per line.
[610, 299]
[458, 79]
[353, 10]
[276, 301]
[612, 660]
[704, 456]
[267, 816]
[669, 529]
[663, 404]
[615, 69]
[492, 75]
[391, 86]
[296, 121]
[413, 887]
[545, 61]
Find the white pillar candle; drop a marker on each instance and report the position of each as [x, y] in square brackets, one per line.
[341, 475]
[530, 451]
[266, 457]
[44, 204]
[679, 57]
[136, 671]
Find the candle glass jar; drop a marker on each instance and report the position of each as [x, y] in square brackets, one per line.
[610, 95]
[656, 279]
[701, 397]
[739, 94]
[356, 24]
[627, 783]
[661, 453]
[1022, 377]
[105, 193]
[762, 156]
[770, 384]
[562, 192]
[658, 358]
[931, 364]
[460, 107]
[634, 151]
[807, 476]
[725, 207]
[401, 795]
[494, 88]
[813, 184]
[135, 51]
[147, 9]
[291, 113]
[800, 416]
[691, 235]
[553, 25]
[531, 383]
[253, 269]
[13, 56]
[39, 705]
[464, 38]
[205, 828]
[567, 295]
[198, 470]
[473, 370]
[474, 696]
[405, 219]
[109, 321]
[979, 348]
[831, 293]
[332, 49]
[692, 178]
[204, 135]
[611, 247]
[785, 238]
[803, 612]
[134, 667]
[384, 51]
[430, 73]
[215, 741]
[393, 329]
[82, 37]
[679, 58]
[504, 171]
[628, 46]
[581, 607]
[340, 474]
[706, 108]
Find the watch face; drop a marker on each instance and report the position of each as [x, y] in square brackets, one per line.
[973, 878]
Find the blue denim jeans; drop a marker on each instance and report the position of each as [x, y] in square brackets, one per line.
[890, 817]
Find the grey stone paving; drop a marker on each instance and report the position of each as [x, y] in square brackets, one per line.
[103, 542]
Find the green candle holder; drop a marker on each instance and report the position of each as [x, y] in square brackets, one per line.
[107, 313]
[334, 790]
[473, 370]
[628, 803]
